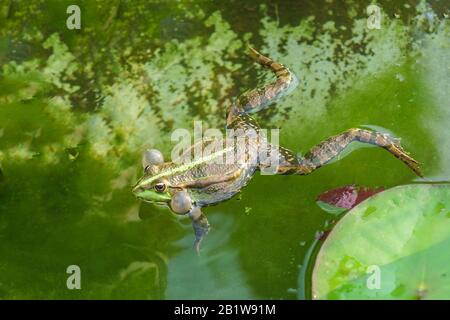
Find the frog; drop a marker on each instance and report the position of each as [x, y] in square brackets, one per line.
[188, 186]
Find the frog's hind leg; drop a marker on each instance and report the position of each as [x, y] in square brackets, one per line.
[254, 100]
[327, 150]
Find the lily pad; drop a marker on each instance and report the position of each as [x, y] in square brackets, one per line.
[394, 245]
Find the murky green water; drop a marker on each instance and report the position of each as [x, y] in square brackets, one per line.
[78, 107]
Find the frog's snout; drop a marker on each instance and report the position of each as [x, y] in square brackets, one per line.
[142, 194]
[138, 190]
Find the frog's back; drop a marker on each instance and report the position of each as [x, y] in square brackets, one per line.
[222, 168]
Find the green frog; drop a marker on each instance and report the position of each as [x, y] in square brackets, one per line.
[187, 186]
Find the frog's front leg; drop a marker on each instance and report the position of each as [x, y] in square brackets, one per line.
[201, 226]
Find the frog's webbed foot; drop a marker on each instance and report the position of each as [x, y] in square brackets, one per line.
[201, 226]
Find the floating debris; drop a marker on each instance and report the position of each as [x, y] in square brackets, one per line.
[338, 200]
[400, 77]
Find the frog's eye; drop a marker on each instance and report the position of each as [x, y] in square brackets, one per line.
[160, 187]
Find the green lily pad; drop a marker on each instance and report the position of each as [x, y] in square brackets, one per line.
[394, 245]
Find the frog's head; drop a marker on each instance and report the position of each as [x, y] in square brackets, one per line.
[155, 186]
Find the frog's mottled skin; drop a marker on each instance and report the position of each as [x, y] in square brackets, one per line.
[205, 182]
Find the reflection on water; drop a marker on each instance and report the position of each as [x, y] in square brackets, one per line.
[216, 273]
